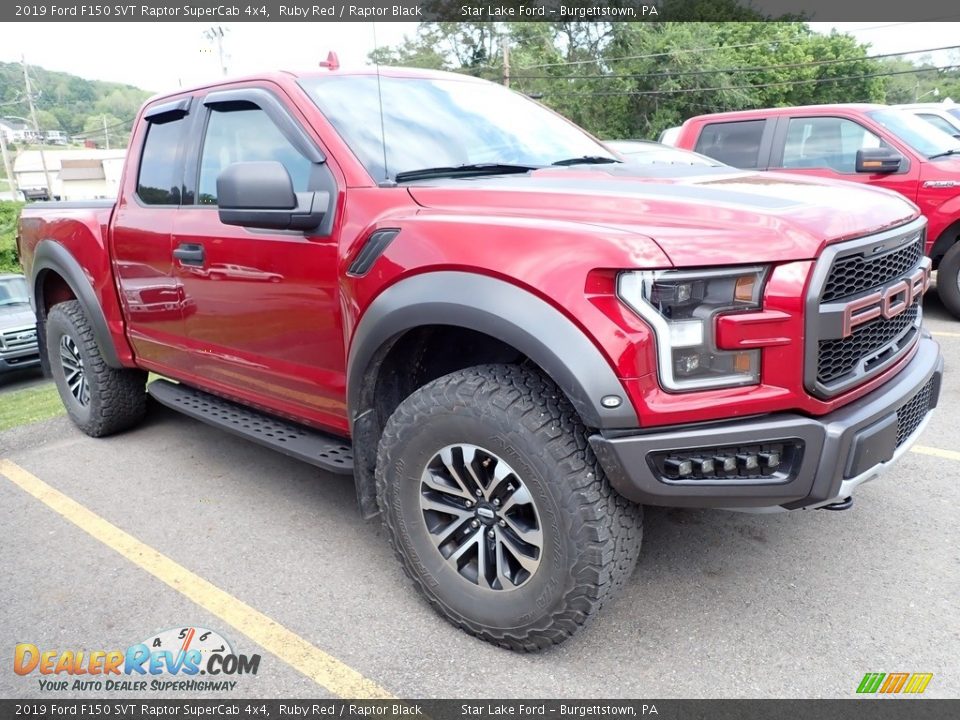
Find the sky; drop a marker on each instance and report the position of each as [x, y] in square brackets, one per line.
[164, 56]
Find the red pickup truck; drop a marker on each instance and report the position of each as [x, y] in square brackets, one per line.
[875, 145]
[511, 339]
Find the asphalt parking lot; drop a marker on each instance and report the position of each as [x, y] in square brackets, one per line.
[273, 556]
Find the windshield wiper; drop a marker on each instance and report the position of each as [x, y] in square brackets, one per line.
[945, 153]
[473, 169]
[588, 160]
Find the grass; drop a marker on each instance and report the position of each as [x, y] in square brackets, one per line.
[30, 405]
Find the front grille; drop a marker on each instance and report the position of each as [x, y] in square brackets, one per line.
[840, 354]
[836, 358]
[19, 338]
[912, 413]
[856, 274]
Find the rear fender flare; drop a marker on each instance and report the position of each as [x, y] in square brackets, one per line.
[51, 256]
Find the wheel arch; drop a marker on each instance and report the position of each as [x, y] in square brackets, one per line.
[516, 325]
[57, 276]
[947, 239]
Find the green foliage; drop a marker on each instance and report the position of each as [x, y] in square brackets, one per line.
[72, 104]
[30, 405]
[632, 80]
[9, 213]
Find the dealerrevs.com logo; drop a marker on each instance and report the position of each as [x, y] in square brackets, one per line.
[171, 660]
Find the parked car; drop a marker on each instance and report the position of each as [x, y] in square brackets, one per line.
[18, 325]
[870, 144]
[510, 355]
[646, 152]
[669, 136]
[943, 116]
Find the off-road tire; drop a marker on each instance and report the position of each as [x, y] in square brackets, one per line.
[948, 280]
[117, 397]
[591, 534]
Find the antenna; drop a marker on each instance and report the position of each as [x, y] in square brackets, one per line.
[387, 182]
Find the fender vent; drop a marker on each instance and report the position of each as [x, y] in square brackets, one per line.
[371, 250]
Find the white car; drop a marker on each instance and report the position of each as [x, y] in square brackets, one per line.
[944, 116]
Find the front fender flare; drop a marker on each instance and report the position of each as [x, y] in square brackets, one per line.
[501, 310]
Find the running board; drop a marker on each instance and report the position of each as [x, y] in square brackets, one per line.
[325, 451]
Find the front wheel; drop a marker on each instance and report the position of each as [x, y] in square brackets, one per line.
[100, 400]
[498, 509]
[948, 280]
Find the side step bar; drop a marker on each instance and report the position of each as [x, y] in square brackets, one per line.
[325, 451]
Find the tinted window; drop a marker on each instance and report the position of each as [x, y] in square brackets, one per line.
[246, 135]
[159, 180]
[429, 123]
[733, 143]
[939, 123]
[826, 142]
[920, 135]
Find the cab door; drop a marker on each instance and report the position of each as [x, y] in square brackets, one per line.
[827, 145]
[140, 234]
[261, 309]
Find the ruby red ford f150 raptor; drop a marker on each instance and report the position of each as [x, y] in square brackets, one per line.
[510, 339]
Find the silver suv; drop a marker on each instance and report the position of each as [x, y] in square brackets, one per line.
[18, 325]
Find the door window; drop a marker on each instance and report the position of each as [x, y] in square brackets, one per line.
[733, 143]
[159, 180]
[246, 135]
[826, 142]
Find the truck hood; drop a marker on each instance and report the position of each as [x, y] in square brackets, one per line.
[12, 316]
[698, 216]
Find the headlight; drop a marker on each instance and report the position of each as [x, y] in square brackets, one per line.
[681, 306]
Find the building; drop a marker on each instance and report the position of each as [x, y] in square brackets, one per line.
[82, 174]
[16, 131]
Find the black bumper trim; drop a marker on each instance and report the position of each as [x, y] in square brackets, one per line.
[837, 446]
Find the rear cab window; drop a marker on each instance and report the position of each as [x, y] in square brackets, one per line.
[160, 175]
[737, 143]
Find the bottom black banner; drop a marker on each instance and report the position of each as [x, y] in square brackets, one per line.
[874, 709]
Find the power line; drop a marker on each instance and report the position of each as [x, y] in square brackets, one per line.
[759, 85]
[755, 68]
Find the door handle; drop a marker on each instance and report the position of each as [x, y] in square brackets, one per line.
[189, 254]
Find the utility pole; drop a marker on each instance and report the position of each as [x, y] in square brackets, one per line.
[36, 124]
[106, 132]
[505, 49]
[216, 34]
[8, 166]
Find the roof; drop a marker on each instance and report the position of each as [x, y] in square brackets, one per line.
[285, 75]
[768, 112]
[13, 124]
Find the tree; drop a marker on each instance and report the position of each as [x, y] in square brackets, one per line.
[635, 79]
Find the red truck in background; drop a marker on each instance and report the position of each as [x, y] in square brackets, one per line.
[511, 339]
[875, 145]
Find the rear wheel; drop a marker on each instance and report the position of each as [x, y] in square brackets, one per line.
[498, 509]
[948, 280]
[100, 400]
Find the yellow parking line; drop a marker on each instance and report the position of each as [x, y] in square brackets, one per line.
[317, 665]
[936, 452]
[944, 334]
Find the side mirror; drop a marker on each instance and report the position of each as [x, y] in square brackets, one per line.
[878, 160]
[260, 195]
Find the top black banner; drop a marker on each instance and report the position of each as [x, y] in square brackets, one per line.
[481, 10]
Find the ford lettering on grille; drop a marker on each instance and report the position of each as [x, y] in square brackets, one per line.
[889, 302]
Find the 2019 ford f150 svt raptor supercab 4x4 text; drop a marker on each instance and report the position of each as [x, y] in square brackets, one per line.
[511, 340]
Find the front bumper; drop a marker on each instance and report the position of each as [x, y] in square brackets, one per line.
[19, 360]
[836, 452]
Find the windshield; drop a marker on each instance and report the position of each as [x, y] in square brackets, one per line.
[431, 123]
[915, 132]
[955, 112]
[13, 291]
[656, 154]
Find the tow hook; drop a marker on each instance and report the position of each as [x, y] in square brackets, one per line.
[844, 504]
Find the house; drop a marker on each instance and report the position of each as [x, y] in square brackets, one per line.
[16, 131]
[55, 137]
[82, 174]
